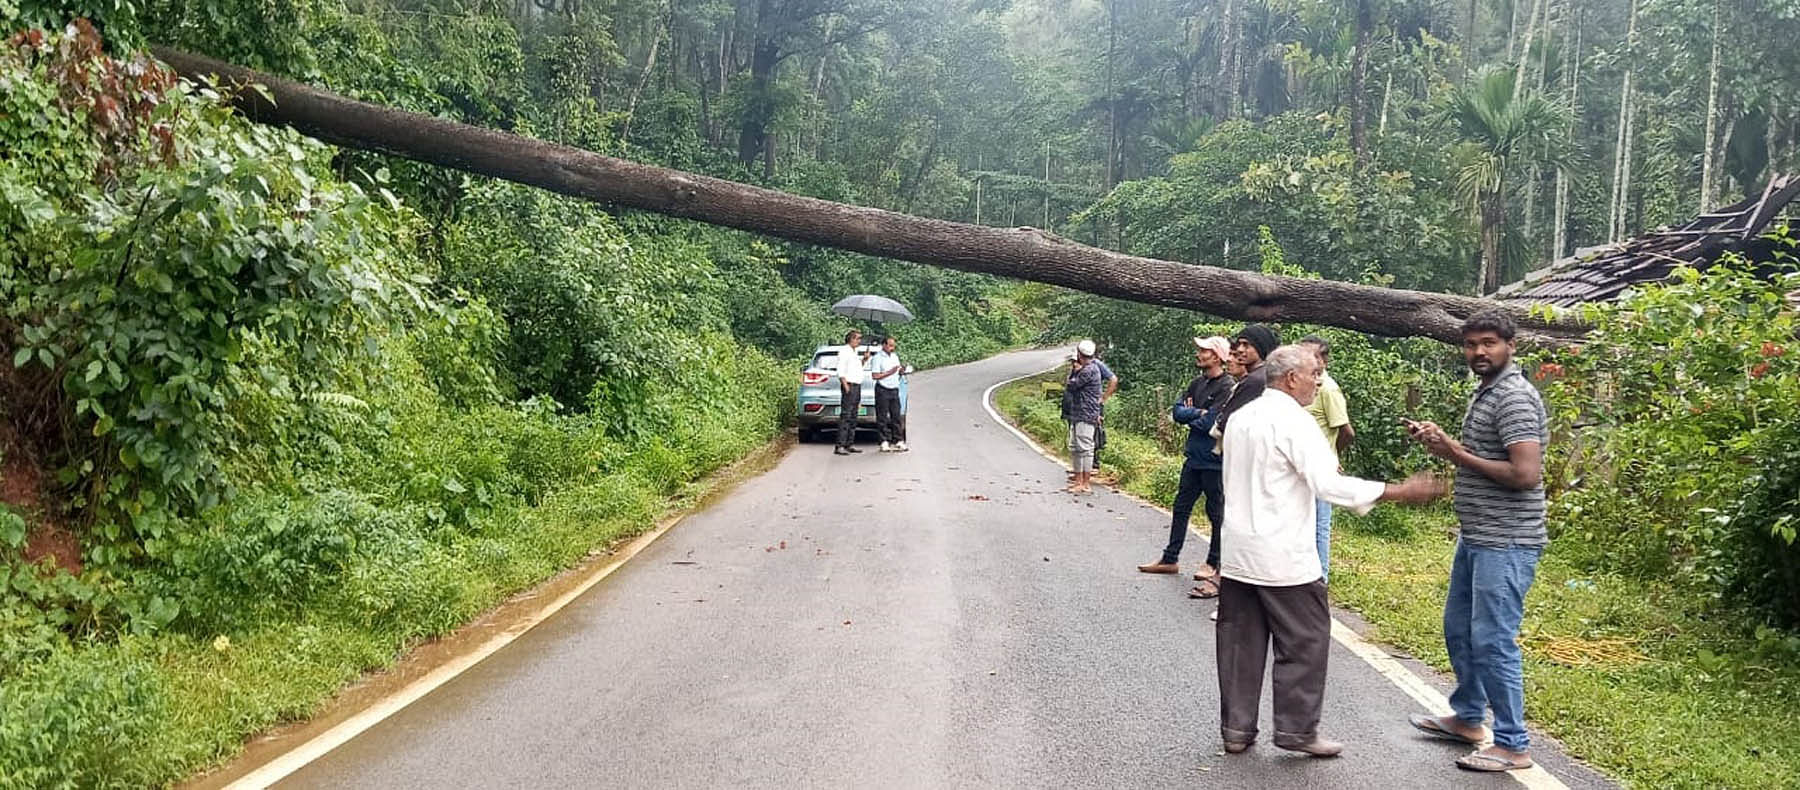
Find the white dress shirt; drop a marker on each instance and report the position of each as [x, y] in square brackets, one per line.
[850, 366]
[1276, 463]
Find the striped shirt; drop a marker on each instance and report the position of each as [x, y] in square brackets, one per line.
[1501, 414]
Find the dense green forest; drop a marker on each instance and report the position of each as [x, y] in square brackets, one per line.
[277, 410]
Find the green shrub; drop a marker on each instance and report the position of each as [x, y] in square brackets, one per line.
[1679, 416]
[88, 718]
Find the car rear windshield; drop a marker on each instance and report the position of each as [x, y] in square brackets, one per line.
[828, 359]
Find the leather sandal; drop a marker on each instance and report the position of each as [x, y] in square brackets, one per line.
[1430, 726]
[1489, 763]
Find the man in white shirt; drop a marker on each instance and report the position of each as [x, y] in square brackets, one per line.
[886, 370]
[1276, 465]
[850, 379]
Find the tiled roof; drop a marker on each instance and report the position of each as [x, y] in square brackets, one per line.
[1602, 273]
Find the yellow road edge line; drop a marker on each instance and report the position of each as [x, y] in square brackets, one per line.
[293, 760]
[1535, 777]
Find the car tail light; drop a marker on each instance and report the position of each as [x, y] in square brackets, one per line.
[814, 408]
[810, 378]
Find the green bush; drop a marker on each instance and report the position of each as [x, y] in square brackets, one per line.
[1679, 420]
[83, 718]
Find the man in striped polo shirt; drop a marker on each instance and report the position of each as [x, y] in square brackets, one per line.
[1500, 508]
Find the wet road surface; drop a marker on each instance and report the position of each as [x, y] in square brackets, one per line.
[941, 618]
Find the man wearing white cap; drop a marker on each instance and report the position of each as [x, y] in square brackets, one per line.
[1198, 408]
[1082, 408]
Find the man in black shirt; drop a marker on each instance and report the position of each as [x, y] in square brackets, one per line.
[1251, 346]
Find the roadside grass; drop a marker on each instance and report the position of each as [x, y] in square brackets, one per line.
[141, 711]
[1655, 685]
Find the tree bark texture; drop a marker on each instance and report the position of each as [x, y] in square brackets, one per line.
[1022, 253]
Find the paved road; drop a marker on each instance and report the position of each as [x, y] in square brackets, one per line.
[936, 619]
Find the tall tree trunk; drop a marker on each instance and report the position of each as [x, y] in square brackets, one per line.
[1387, 95]
[1359, 83]
[1112, 103]
[1534, 180]
[704, 70]
[1622, 149]
[1712, 117]
[769, 142]
[818, 92]
[1229, 66]
[1525, 51]
[978, 180]
[1560, 245]
[1724, 143]
[1469, 39]
[1625, 197]
[1192, 88]
[818, 80]
[662, 31]
[1026, 254]
[759, 108]
[911, 191]
[1512, 29]
[1493, 228]
[724, 60]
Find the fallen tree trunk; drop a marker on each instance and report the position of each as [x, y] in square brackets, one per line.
[1022, 253]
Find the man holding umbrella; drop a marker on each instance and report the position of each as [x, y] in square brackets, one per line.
[851, 373]
[886, 370]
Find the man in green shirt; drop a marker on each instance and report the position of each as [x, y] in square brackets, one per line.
[1332, 413]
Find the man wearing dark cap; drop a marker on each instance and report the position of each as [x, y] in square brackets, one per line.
[1251, 346]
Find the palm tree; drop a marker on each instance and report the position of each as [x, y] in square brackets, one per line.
[1507, 128]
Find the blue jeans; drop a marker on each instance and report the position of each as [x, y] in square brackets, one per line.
[1322, 515]
[1481, 625]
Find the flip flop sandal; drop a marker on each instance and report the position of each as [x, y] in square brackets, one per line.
[1205, 589]
[1431, 727]
[1487, 763]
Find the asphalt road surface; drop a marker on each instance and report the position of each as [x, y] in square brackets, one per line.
[941, 618]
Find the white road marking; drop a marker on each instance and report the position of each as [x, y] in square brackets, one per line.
[987, 401]
[321, 744]
[1385, 665]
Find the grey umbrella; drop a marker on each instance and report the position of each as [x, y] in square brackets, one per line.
[870, 307]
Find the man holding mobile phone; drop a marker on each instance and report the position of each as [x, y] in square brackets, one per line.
[1499, 496]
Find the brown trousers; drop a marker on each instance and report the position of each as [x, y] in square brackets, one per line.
[1298, 621]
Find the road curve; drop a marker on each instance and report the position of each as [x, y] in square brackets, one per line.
[940, 618]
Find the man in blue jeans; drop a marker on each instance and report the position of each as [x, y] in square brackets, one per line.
[1500, 508]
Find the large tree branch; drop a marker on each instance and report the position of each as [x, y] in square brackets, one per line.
[1023, 253]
